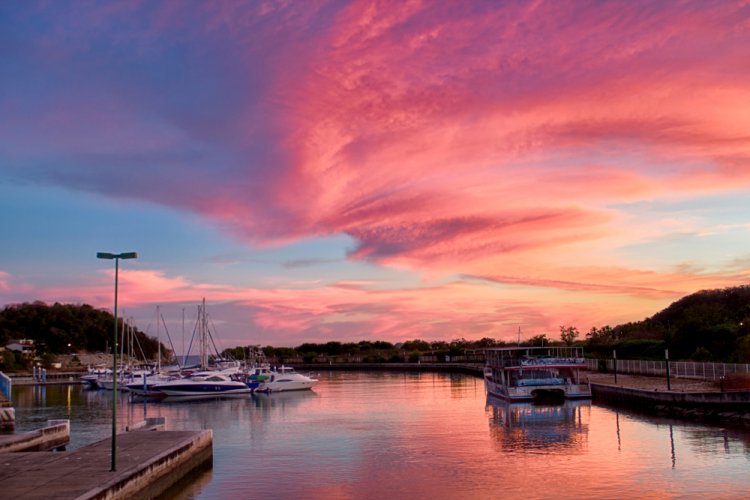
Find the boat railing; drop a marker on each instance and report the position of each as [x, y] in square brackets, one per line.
[540, 381]
[552, 361]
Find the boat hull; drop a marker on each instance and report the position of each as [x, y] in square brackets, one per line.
[202, 389]
[108, 385]
[283, 386]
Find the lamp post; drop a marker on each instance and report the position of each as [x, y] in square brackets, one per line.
[116, 257]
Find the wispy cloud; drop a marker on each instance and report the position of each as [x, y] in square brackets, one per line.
[294, 264]
[513, 141]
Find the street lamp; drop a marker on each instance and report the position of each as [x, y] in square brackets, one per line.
[116, 257]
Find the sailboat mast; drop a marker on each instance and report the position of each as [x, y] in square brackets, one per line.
[204, 342]
[158, 341]
[122, 342]
[183, 338]
[519, 336]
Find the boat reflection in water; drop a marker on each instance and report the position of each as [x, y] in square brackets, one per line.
[282, 399]
[529, 427]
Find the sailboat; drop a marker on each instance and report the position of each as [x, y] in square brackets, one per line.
[125, 373]
[145, 386]
[205, 383]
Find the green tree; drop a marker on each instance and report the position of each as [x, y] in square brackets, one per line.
[568, 334]
[537, 341]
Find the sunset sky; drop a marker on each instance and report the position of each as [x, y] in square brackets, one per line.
[346, 170]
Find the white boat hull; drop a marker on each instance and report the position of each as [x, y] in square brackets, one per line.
[108, 385]
[282, 386]
[532, 393]
[192, 393]
[187, 387]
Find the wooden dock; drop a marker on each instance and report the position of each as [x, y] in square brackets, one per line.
[148, 463]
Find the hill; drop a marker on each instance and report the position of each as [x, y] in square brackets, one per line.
[65, 328]
[709, 325]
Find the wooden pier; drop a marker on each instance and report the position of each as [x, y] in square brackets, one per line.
[148, 463]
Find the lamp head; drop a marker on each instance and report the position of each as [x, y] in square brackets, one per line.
[126, 255]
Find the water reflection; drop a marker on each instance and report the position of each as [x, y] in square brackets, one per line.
[282, 400]
[527, 427]
[394, 435]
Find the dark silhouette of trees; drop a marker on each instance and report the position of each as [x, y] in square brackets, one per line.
[709, 325]
[53, 327]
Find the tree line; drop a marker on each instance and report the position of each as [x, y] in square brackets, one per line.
[710, 325]
[64, 328]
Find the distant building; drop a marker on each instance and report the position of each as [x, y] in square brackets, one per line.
[24, 346]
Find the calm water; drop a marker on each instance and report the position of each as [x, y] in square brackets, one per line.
[394, 435]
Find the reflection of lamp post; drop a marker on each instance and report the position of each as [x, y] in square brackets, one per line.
[116, 257]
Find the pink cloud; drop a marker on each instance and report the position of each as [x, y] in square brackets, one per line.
[395, 138]
[501, 140]
[4, 282]
[408, 110]
[490, 305]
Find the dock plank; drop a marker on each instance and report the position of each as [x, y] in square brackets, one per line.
[143, 459]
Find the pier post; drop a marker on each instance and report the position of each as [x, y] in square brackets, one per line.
[614, 360]
[666, 357]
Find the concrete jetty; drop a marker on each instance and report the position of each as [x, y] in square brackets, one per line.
[54, 436]
[688, 398]
[148, 463]
[7, 416]
[7, 412]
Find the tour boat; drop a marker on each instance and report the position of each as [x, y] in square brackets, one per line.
[536, 373]
[285, 378]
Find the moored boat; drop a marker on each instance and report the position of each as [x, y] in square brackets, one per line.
[217, 384]
[540, 374]
[145, 386]
[285, 378]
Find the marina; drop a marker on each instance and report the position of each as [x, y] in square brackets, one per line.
[354, 249]
[361, 434]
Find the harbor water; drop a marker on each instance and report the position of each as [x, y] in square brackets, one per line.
[419, 435]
